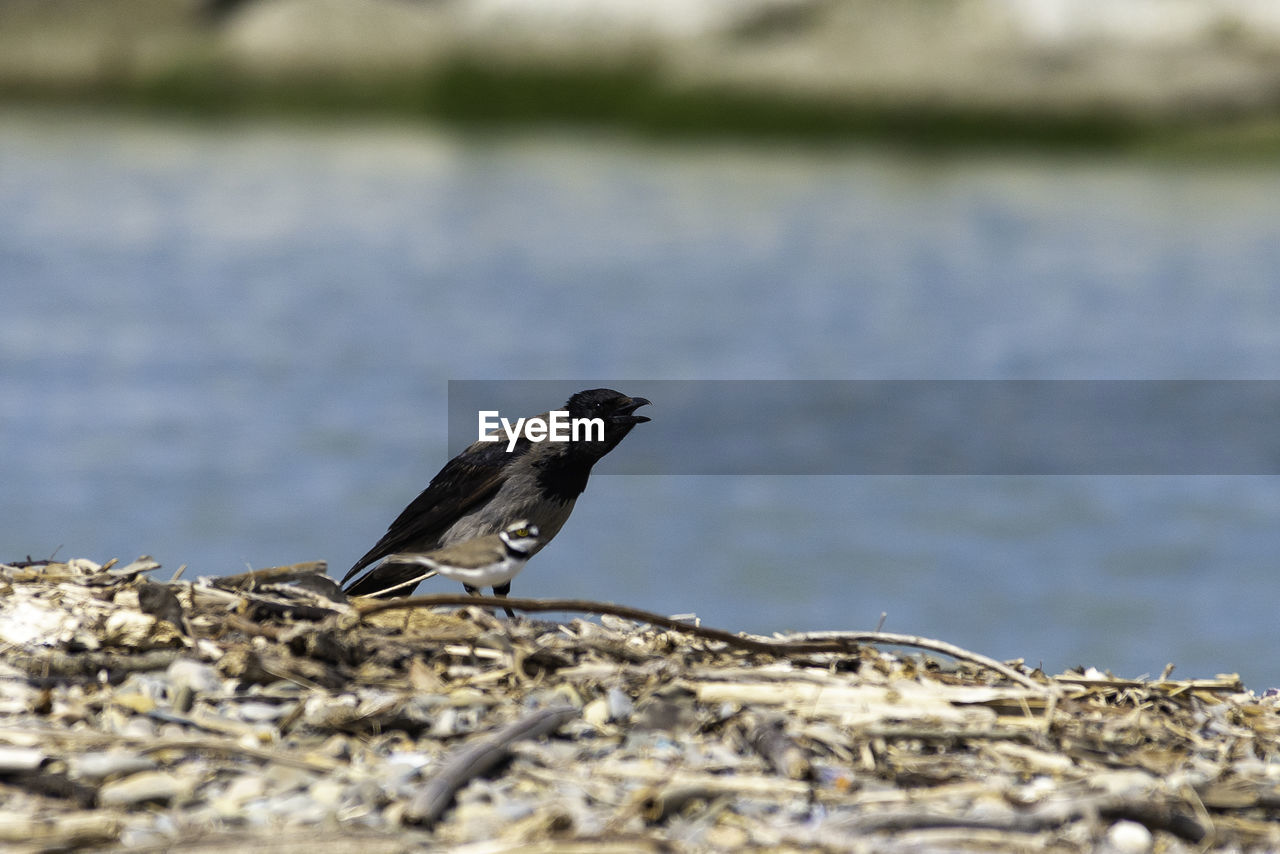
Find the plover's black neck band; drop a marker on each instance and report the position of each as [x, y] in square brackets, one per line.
[513, 552]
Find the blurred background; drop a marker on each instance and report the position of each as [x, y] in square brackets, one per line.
[245, 246]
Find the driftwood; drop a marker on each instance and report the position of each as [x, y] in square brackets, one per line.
[55, 665]
[270, 575]
[476, 759]
[769, 738]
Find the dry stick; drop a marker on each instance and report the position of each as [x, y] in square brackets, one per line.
[235, 747]
[271, 575]
[475, 759]
[807, 643]
[750, 644]
[341, 839]
[68, 831]
[948, 649]
[412, 582]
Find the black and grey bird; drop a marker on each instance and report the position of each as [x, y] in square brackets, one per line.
[490, 561]
[486, 488]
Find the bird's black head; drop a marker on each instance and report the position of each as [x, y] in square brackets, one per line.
[563, 469]
[614, 408]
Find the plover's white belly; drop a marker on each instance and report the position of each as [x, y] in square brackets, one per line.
[481, 576]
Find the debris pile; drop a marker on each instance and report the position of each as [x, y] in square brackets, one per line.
[265, 712]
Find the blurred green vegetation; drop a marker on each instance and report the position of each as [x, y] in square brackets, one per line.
[162, 55]
[631, 98]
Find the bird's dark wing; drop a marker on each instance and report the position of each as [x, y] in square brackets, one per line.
[467, 481]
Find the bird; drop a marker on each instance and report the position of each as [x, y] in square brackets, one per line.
[490, 561]
[486, 488]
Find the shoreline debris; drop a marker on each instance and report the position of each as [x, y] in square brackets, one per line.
[265, 711]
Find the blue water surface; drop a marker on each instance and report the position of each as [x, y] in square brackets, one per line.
[229, 346]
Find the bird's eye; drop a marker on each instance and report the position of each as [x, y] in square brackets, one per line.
[523, 532]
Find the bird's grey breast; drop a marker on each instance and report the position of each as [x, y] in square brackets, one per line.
[520, 497]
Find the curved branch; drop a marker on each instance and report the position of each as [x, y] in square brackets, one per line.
[814, 642]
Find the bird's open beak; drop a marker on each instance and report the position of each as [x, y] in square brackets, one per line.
[626, 413]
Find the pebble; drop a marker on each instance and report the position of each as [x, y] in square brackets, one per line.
[445, 724]
[1129, 837]
[296, 809]
[139, 727]
[261, 712]
[230, 802]
[133, 628]
[192, 675]
[620, 705]
[596, 712]
[284, 778]
[328, 792]
[15, 760]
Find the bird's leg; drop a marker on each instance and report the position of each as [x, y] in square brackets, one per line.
[502, 590]
[473, 591]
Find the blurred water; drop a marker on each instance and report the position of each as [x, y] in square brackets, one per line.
[230, 346]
